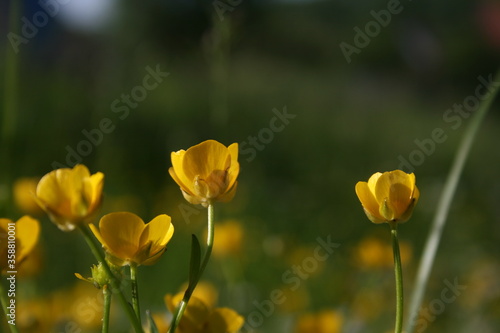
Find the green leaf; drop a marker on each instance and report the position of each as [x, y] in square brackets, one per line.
[151, 322]
[194, 266]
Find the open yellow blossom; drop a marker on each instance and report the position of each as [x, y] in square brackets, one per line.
[127, 239]
[70, 196]
[206, 172]
[21, 237]
[389, 196]
[200, 318]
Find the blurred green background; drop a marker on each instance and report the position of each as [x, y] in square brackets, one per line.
[230, 64]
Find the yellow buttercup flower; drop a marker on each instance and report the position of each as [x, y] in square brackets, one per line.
[127, 239]
[17, 240]
[200, 318]
[229, 239]
[389, 196]
[70, 196]
[206, 172]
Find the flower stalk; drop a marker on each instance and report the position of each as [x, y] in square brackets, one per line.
[135, 290]
[84, 229]
[191, 287]
[107, 306]
[398, 274]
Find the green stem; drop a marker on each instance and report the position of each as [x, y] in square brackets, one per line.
[107, 306]
[443, 206]
[5, 302]
[135, 290]
[115, 286]
[399, 278]
[187, 295]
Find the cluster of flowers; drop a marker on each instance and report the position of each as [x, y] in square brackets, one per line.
[206, 173]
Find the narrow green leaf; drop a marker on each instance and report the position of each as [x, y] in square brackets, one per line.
[194, 266]
[151, 323]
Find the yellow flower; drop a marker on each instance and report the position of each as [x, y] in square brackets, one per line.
[70, 196]
[22, 191]
[372, 252]
[326, 321]
[229, 239]
[389, 196]
[204, 291]
[206, 172]
[127, 239]
[21, 237]
[200, 318]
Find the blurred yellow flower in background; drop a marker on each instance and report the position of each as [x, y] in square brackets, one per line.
[23, 234]
[206, 172]
[70, 196]
[228, 239]
[204, 291]
[326, 321]
[200, 318]
[23, 191]
[389, 196]
[127, 239]
[372, 252]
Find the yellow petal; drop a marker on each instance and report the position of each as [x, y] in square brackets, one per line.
[97, 235]
[154, 238]
[196, 313]
[50, 195]
[234, 169]
[92, 189]
[372, 182]
[27, 232]
[397, 187]
[225, 320]
[159, 231]
[229, 195]
[368, 201]
[177, 172]
[202, 159]
[121, 233]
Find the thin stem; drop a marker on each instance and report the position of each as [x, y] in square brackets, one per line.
[107, 307]
[135, 290]
[5, 302]
[399, 278]
[115, 288]
[187, 295]
[443, 206]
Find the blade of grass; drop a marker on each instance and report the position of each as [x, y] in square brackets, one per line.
[443, 207]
